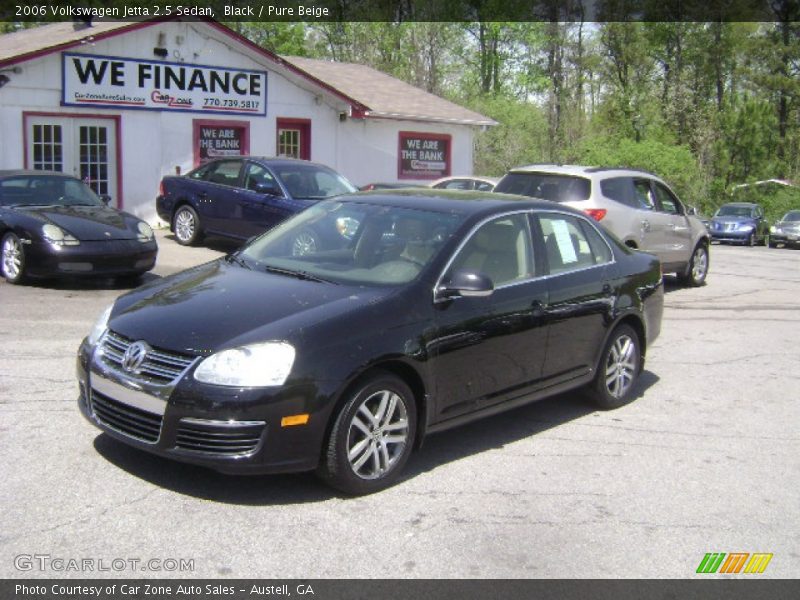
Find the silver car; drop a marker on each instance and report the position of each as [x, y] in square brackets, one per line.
[636, 206]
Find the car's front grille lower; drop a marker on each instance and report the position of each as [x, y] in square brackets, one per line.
[159, 367]
[131, 421]
[219, 437]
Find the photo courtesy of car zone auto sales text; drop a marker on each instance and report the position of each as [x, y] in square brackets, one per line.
[442, 299]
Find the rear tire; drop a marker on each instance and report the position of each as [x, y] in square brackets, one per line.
[12, 259]
[372, 436]
[697, 269]
[186, 226]
[618, 370]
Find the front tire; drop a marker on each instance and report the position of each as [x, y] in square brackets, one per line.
[697, 269]
[372, 436]
[186, 225]
[618, 371]
[12, 259]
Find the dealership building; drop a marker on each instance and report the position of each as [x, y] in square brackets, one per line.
[120, 104]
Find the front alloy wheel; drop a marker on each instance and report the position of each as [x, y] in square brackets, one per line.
[697, 269]
[372, 437]
[618, 370]
[186, 225]
[12, 259]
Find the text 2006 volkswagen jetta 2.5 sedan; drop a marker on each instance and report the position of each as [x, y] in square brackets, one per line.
[427, 311]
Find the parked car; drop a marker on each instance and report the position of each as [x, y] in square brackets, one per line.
[54, 225]
[740, 222]
[440, 311]
[786, 232]
[481, 184]
[636, 206]
[244, 196]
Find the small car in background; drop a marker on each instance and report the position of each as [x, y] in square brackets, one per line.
[739, 222]
[636, 206]
[445, 308]
[54, 225]
[786, 232]
[244, 196]
[470, 182]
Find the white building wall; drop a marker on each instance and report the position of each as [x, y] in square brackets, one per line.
[153, 143]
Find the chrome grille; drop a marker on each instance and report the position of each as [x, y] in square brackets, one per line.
[158, 367]
[731, 226]
[219, 437]
[129, 420]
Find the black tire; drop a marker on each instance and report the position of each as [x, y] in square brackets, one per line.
[618, 370]
[379, 457]
[697, 268]
[751, 240]
[306, 241]
[12, 259]
[772, 244]
[186, 226]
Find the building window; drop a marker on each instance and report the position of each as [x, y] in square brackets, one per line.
[93, 157]
[294, 138]
[289, 143]
[48, 150]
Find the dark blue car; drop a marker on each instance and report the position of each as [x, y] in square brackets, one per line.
[244, 196]
[739, 222]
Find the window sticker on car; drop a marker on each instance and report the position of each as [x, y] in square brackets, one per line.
[564, 241]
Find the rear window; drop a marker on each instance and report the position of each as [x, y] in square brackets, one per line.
[558, 188]
[619, 189]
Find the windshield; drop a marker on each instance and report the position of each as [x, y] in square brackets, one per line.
[354, 243]
[793, 216]
[558, 188]
[311, 182]
[46, 190]
[730, 210]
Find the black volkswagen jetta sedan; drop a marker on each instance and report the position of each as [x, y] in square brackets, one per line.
[440, 309]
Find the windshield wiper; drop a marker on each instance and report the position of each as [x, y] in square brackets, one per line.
[298, 274]
[238, 260]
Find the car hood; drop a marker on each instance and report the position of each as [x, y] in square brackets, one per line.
[221, 305]
[88, 223]
[733, 219]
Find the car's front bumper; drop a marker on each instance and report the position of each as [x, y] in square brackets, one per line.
[780, 237]
[740, 236]
[231, 430]
[101, 258]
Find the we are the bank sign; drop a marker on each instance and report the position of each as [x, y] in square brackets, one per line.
[112, 81]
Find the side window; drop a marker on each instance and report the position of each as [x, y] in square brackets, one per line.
[200, 172]
[566, 244]
[619, 189]
[600, 250]
[225, 172]
[666, 201]
[457, 184]
[500, 249]
[483, 186]
[255, 174]
[644, 194]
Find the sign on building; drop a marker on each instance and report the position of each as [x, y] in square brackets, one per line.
[423, 155]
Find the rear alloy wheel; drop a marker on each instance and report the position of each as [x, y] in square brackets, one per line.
[372, 437]
[614, 383]
[697, 269]
[12, 259]
[186, 225]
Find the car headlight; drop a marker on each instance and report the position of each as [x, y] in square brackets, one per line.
[745, 227]
[347, 227]
[100, 326]
[145, 232]
[57, 236]
[772, 229]
[254, 365]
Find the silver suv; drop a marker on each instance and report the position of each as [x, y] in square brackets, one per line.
[636, 206]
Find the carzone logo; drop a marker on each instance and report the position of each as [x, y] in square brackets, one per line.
[734, 563]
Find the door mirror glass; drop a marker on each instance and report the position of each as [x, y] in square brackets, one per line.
[105, 198]
[268, 188]
[466, 283]
[691, 210]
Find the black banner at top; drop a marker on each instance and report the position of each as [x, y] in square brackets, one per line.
[403, 10]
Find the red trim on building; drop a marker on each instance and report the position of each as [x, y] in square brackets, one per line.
[304, 125]
[197, 124]
[117, 133]
[404, 135]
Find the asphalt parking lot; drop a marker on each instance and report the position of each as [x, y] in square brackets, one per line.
[707, 459]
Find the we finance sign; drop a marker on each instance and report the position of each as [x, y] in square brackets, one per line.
[111, 81]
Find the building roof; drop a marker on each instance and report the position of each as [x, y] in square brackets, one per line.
[386, 96]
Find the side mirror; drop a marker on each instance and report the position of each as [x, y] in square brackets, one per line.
[465, 283]
[269, 189]
[105, 198]
[691, 210]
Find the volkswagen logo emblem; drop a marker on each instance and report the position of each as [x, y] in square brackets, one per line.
[134, 357]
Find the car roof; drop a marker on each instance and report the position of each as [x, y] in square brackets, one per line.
[274, 161]
[28, 172]
[453, 201]
[581, 170]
